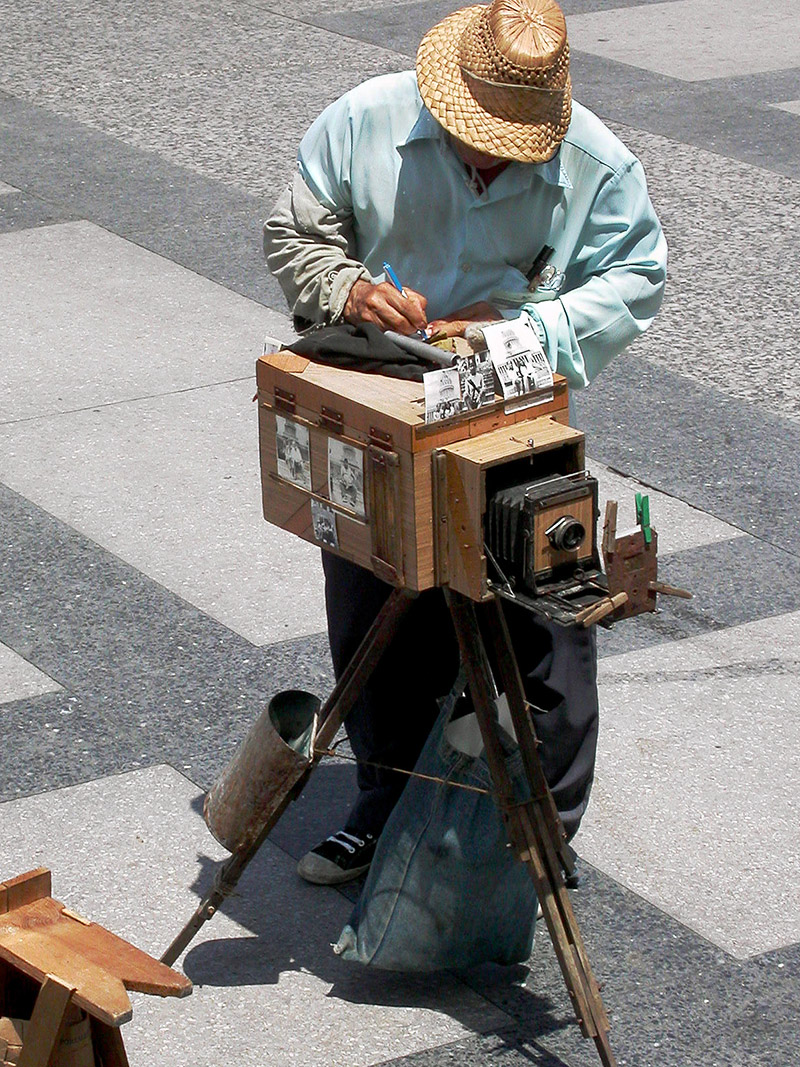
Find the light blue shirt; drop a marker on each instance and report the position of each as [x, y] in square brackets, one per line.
[378, 156]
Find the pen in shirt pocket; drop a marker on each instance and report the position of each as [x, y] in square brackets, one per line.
[538, 265]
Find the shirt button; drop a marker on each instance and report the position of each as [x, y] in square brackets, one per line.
[465, 265]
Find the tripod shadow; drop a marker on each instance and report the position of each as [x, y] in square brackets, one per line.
[293, 924]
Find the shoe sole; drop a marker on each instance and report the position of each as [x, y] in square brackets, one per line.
[324, 872]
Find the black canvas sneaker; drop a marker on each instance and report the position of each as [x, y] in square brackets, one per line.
[342, 857]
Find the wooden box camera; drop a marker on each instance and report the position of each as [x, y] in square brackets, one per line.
[493, 497]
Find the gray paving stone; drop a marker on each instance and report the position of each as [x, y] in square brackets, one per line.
[790, 105]
[401, 26]
[767, 87]
[268, 988]
[724, 320]
[20, 680]
[709, 34]
[211, 228]
[223, 92]
[673, 998]
[699, 740]
[732, 582]
[18, 211]
[145, 676]
[7, 189]
[171, 485]
[679, 525]
[123, 322]
[731, 459]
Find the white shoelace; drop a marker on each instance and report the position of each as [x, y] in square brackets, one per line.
[339, 837]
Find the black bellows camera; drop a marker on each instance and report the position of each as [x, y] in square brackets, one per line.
[541, 535]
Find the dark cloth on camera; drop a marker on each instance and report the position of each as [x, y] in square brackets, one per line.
[363, 347]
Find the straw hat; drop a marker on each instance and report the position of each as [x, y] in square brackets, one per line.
[497, 77]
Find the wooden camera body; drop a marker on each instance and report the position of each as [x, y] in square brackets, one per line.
[408, 500]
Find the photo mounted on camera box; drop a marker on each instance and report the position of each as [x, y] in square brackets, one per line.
[492, 500]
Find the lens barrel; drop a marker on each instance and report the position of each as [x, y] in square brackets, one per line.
[566, 534]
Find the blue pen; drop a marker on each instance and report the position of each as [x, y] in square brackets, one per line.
[419, 334]
[393, 278]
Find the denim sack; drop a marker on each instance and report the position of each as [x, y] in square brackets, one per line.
[444, 890]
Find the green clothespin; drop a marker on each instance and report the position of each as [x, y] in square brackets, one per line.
[643, 516]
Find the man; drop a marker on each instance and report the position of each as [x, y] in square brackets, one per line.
[462, 178]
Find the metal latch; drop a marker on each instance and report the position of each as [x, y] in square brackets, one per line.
[285, 400]
[380, 438]
[331, 420]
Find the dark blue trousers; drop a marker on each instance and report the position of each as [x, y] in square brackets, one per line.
[397, 709]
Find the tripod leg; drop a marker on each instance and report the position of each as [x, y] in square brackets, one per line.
[333, 712]
[533, 827]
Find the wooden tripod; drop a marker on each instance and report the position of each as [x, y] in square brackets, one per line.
[534, 828]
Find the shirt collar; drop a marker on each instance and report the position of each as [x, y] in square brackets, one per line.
[426, 128]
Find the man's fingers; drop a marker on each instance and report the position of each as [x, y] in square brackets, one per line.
[406, 310]
[386, 307]
[448, 327]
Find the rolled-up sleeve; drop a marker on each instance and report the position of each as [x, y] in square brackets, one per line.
[614, 285]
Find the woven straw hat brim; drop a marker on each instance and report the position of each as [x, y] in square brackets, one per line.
[477, 112]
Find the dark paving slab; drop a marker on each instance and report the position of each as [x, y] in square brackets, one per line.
[673, 998]
[19, 211]
[733, 582]
[715, 118]
[402, 26]
[205, 225]
[724, 116]
[727, 457]
[147, 677]
[766, 87]
[507, 1048]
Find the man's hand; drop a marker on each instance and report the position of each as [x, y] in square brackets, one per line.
[386, 307]
[454, 325]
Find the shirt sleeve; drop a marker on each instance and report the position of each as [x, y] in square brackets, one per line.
[308, 248]
[324, 157]
[308, 240]
[614, 286]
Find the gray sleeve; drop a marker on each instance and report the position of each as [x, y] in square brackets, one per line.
[309, 249]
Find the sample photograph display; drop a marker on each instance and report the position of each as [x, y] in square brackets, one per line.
[324, 521]
[294, 452]
[346, 476]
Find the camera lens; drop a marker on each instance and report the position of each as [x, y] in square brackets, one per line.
[566, 534]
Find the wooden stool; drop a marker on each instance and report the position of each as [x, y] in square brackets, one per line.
[53, 961]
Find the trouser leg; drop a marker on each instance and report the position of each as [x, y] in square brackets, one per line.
[393, 717]
[558, 665]
[394, 714]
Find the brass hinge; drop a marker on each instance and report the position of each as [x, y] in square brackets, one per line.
[380, 438]
[285, 400]
[331, 420]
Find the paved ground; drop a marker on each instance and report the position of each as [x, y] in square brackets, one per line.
[147, 612]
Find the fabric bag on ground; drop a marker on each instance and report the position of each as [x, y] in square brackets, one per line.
[444, 891]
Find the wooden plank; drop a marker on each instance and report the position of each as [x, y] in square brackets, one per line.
[418, 492]
[467, 561]
[39, 939]
[511, 442]
[361, 398]
[109, 1049]
[397, 404]
[43, 1031]
[97, 992]
[24, 888]
[137, 970]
